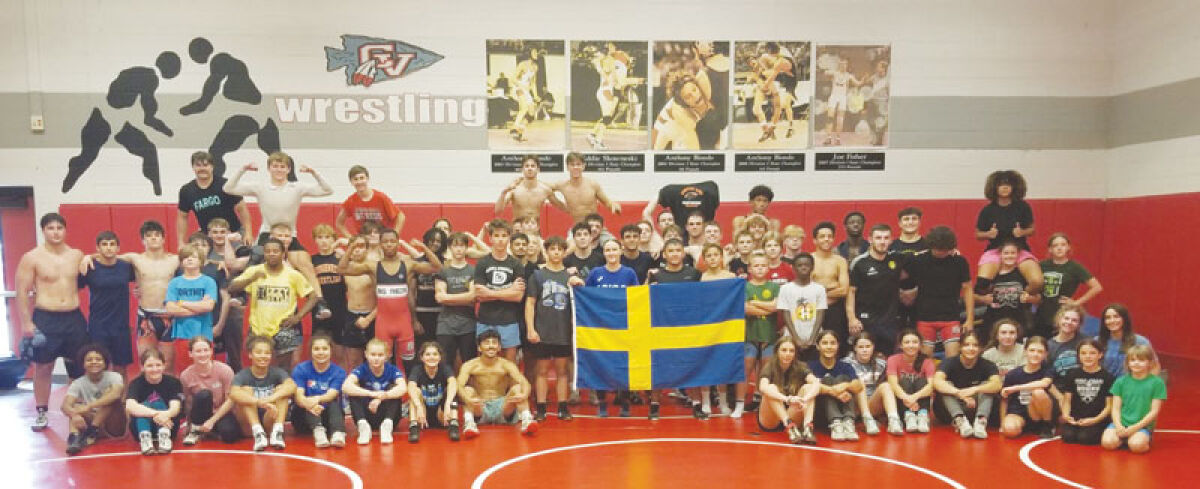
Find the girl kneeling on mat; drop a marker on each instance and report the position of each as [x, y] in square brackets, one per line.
[1028, 402]
[788, 388]
[1086, 396]
[1137, 400]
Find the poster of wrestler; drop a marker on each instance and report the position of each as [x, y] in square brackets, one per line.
[772, 90]
[853, 84]
[689, 85]
[527, 94]
[614, 118]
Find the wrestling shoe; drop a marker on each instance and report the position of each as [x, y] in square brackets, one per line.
[564, 414]
[147, 443]
[74, 443]
[698, 412]
[453, 431]
[164, 440]
[90, 435]
[414, 433]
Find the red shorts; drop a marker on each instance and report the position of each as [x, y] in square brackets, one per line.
[932, 331]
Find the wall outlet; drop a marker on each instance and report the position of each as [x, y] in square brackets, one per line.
[37, 123]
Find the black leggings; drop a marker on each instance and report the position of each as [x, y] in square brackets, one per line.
[1083, 435]
[462, 344]
[332, 418]
[388, 409]
[202, 408]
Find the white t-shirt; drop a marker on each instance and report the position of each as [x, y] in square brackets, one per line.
[802, 304]
[86, 391]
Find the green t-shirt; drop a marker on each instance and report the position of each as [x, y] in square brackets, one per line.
[1136, 396]
[762, 328]
[1061, 281]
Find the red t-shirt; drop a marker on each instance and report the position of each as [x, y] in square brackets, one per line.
[782, 274]
[379, 208]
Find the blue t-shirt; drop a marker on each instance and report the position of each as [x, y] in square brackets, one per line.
[316, 383]
[839, 369]
[367, 380]
[191, 290]
[1018, 402]
[108, 304]
[1114, 359]
[601, 277]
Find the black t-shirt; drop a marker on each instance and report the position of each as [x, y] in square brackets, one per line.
[913, 248]
[849, 253]
[209, 203]
[1088, 391]
[661, 262]
[167, 390]
[1005, 217]
[433, 389]
[333, 286]
[963, 377]
[640, 265]
[682, 199]
[584, 266]
[552, 307]
[496, 275]
[685, 274]
[1006, 291]
[426, 300]
[939, 282]
[877, 287]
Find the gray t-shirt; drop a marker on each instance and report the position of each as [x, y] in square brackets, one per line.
[85, 391]
[278, 204]
[456, 320]
[553, 309]
[263, 387]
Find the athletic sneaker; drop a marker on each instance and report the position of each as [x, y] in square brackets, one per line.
[74, 443]
[602, 410]
[338, 439]
[698, 412]
[964, 427]
[41, 422]
[364, 432]
[385, 431]
[260, 441]
[894, 427]
[980, 430]
[654, 406]
[793, 434]
[528, 426]
[470, 430]
[923, 422]
[320, 439]
[453, 431]
[836, 432]
[277, 438]
[414, 433]
[164, 440]
[910, 421]
[147, 443]
[564, 414]
[90, 435]
[541, 413]
[849, 431]
[193, 437]
[807, 436]
[870, 426]
[738, 409]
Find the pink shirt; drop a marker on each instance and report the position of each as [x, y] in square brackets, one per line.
[218, 380]
[897, 365]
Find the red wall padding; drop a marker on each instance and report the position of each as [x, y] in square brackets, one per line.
[1131, 245]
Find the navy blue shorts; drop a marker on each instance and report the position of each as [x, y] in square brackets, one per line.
[66, 333]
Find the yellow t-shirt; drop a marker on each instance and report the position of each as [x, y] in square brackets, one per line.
[274, 298]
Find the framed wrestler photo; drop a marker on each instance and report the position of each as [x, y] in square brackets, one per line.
[772, 94]
[527, 94]
[609, 103]
[689, 87]
[853, 86]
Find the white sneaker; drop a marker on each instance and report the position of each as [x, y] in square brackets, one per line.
[849, 431]
[364, 432]
[277, 439]
[836, 432]
[41, 422]
[870, 426]
[894, 427]
[192, 438]
[923, 422]
[338, 439]
[260, 441]
[147, 443]
[385, 432]
[980, 430]
[320, 439]
[910, 421]
[738, 409]
[164, 440]
[964, 427]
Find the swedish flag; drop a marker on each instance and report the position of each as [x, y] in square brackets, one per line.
[660, 336]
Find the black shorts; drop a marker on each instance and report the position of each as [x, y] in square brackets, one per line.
[543, 350]
[120, 346]
[352, 336]
[66, 333]
[295, 246]
[764, 429]
[158, 324]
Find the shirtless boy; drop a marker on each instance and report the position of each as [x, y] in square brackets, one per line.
[580, 193]
[493, 389]
[527, 193]
[833, 272]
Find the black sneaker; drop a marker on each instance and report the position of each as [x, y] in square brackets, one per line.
[698, 412]
[564, 414]
[653, 411]
[755, 401]
[74, 443]
[414, 433]
[453, 431]
[90, 435]
[541, 412]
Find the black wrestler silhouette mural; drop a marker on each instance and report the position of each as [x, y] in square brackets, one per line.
[138, 84]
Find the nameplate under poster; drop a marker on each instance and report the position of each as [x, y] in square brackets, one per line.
[768, 162]
[511, 163]
[670, 162]
[849, 162]
[611, 163]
